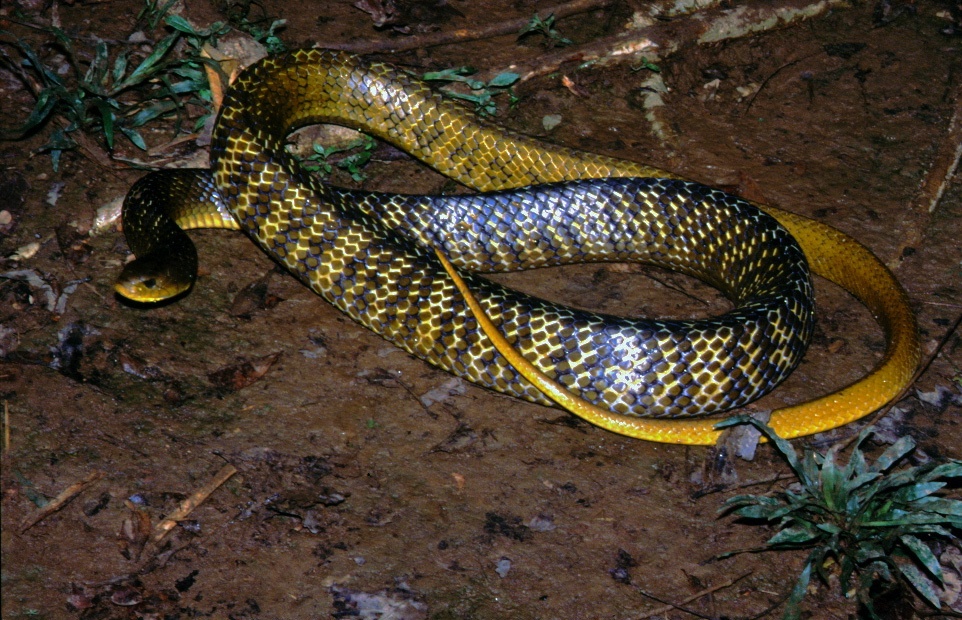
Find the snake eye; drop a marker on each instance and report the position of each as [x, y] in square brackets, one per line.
[150, 283]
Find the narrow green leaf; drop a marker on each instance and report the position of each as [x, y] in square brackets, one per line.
[448, 75]
[811, 464]
[150, 65]
[135, 138]
[952, 469]
[831, 528]
[191, 73]
[503, 80]
[45, 104]
[179, 23]
[820, 558]
[888, 482]
[846, 570]
[894, 453]
[922, 585]
[475, 99]
[97, 72]
[106, 119]
[940, 505]
[856, 465]
[865, 582]
[861, 479]
[924, 555]
[793, 536]
[58, 142]
[868, 550]
[785, 448]
[737, 500]
[46, 74]
[830, 481]
[881, 566]
[779, 513]
[150, 113]
[913, 519]
[61, 36]
[792, 611]
[120, 67]
[754, 512]
[64, 39]
[153, 14]
[187, 86]
[917, 491]
[933, 530]
[200, 122]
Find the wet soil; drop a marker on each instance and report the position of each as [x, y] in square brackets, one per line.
[367, 478]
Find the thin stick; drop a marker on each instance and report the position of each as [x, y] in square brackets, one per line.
[943, 166]
[188, 505]
[744, 485]
[60, 501]
[463, 34]
[664, 38]
[669, 606]
[6, 428]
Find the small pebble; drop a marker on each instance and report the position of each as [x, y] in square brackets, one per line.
[550, 121]
[502, 568]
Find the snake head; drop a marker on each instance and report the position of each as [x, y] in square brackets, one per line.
[154, 279]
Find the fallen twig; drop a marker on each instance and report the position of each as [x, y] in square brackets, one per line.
[188, 505]
[6, 428]
[461, 35]
[680, 606]
[944, 166]
[60, 501]
[664, 38]
[744, 485]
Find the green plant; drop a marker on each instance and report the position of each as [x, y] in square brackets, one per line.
[873, 519]
[266, 36]
[262, 29]
[101, 90]
[320, 160]
[544, 27]
[646, 65]
[483, 92]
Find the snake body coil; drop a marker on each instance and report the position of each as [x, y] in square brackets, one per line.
[371, 254]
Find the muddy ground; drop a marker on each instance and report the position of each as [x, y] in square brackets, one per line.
[466, 504]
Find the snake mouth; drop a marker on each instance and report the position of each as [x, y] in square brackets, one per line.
[152, 281]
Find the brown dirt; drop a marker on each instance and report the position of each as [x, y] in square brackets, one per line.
[347, 482]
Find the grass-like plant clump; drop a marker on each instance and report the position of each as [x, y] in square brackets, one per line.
[546, 28]
[876, 522]
[354, 156]
[482, 93]
[108, 89]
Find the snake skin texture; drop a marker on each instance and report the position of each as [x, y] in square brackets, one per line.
[371, 255]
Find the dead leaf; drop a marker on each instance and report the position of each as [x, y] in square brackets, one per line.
[242, 374]
[749, 189]
[134, 531]
[573, 87]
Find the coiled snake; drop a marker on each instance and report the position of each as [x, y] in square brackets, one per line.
[372, 255]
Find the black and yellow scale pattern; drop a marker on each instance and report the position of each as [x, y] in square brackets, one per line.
[372, 256]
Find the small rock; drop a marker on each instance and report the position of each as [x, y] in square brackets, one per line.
[502, 567]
